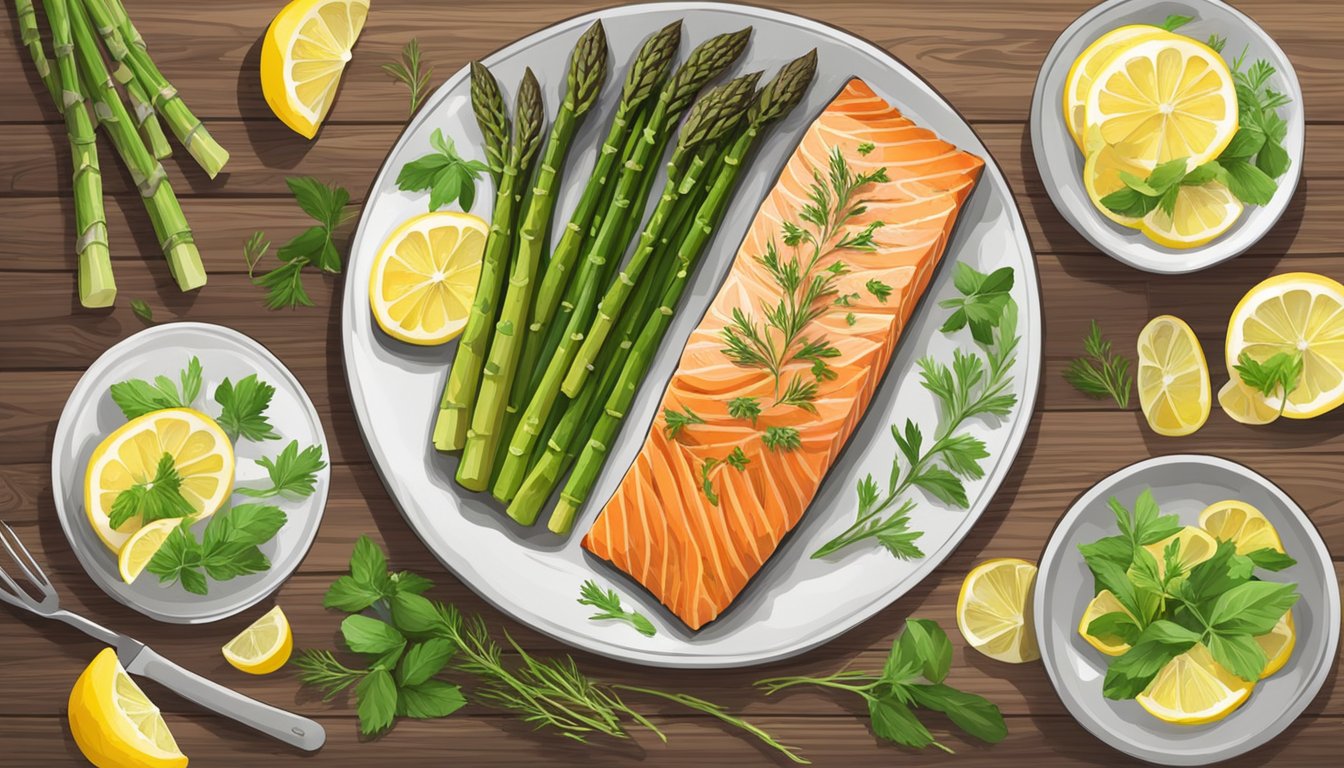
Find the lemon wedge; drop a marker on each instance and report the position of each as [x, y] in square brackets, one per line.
[1297, 313]
[264, 646]
[1196, 546]
[1104, 603]
[1164, 98]
[202, 455]
[1101, 177]
[1241, 524]
[1192, 689]
[1202, 212]
[1173, 377]
[993, 610]
[1245, 405]
[1091, 61]
[424, 276]
[303, 55]
[114, 723]
[140, 548]
[1278, 644]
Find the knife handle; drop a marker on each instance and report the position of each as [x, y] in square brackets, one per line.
[288, 727]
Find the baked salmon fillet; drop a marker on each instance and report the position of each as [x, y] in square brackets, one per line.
[786, 360]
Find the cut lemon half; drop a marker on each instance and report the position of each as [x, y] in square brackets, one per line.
[1101, 605]
[303, 55]
[1241, 524]
[1101, 177]
[1278, 644]
[1090, 62]
[202, 455]
[424, 277]
[1192, 689]
[1162, 99]
[1245, 405]
[993, 610]
[1297, 313]
[1196, 546]
[140, 548]
[1173, 377]
[263, 647]
[1201, 213]
[114, 722]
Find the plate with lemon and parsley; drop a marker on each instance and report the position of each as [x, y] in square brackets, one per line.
[190, 472]
[1169, 134]
[1186, 609]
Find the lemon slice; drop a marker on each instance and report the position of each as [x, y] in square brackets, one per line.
[1101, 177]
[1196, 547]
[1163, 99]
[114, 723]
[424, 277]
[1192, 689]
[1101, 605]
[1245, 405]
[1298, 313]
[202, 455]
[142, 545]
[303, 55]
[1091, 61]
[993, 610]
[263, 647]
[1241, 524]
[1173, 377]
[1201, 213]
[1278, 644]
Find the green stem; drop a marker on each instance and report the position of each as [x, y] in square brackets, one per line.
[714, 710]
[32, 39]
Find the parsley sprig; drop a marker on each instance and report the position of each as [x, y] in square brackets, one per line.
[293, 472]
[1168, 608]
[230, 547]
[1275, 377]
[912, 679]
[608, 605]
[973, 386]
[157, 498]
[243, 408]
[136, 397]
[444, 173]
[1100, 372]
[315, 246]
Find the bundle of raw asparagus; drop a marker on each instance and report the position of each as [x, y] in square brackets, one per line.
[551, 357]
[80, 81]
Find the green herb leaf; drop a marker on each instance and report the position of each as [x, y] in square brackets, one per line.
[1270, 559]
[865, 147]
[608, 604]
[1130, 673]
[179, 559]
[1275, 377]
[1115, 627]
[327, 204]
[424, 660]
[429, 699]
[1239, 653]
[984, 298]
[1175, 22]
[894, 721]
[243, 408]
[136, 397]
[158, 499]
[973, 714]
[1248, 182]
[445, 173]
[783, 439]
[1100, 373]
[367, 561]
[284, 286]
[738, 459]
[292, 472]
[880, 290]
[409, 72]
[254, 249]
[1253, 607]
[679, 420]
[1246, 142]
[364, 634]
[375, 702]
[926, 642]
[141, 310]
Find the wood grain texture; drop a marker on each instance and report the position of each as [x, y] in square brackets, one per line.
[982, 55]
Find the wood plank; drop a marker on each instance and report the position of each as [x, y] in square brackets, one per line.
[983, 58]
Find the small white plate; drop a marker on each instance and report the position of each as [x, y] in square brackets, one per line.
[1184, 486]
[1061, 164]
[90, 415]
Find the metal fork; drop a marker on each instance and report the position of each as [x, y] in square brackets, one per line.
[140, 659]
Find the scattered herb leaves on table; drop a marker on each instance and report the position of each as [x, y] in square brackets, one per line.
[327, 205]
[142, 310]
[1100, 372]
[256, 247]
[411, 73]
[608, 604]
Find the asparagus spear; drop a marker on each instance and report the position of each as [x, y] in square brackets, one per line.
[97, 288]
[712, 117]
[451, 431]
[165, 213]
[487, 103]
[188, 129]
[776, 100]
[587, 71]
[32, 39]
[705, 62]
[645, 73]
[142, 106]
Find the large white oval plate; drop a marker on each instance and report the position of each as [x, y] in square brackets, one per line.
[794, 603]
[90, 415]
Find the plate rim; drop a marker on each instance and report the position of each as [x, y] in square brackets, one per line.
[62, 435]
[1052, 665]
[1185, 262]
[1015, 440]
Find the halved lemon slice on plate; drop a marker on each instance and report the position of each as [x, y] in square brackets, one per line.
[115, 723]
[140, 548]
[1196, 546]
[303, 55]
[1202, 212]
[264, 646]
[1193, 688]
[992, 610]
[1173, 377]
[1090, 62]
[1295, 313]
[1101, 177]
[202, 455]
[1104, 603]
[1241, 524]
[424, 276]
[1278, 644]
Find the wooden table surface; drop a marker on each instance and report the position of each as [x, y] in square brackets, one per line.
[982, 55]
